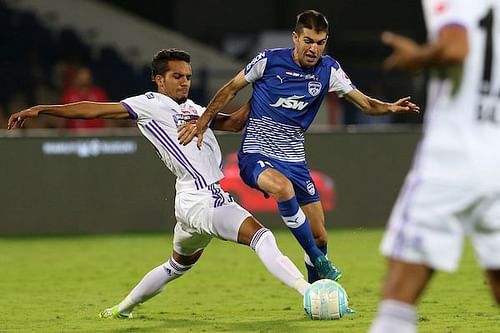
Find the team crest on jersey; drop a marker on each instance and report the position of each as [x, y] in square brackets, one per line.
[310, 187]
[314, 88]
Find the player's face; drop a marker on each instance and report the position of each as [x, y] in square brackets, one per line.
[176, 81]
[309, 46]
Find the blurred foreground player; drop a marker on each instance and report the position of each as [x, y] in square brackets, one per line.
[453, 188]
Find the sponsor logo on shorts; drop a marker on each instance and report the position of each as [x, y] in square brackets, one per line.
[310, 187]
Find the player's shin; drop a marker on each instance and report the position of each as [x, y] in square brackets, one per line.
[152, 284]
[296, 221]
[264, 244]
[312, 274]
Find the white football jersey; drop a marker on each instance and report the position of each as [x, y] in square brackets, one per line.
[462, 120]
[158, 118]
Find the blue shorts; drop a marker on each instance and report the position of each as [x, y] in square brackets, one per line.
[251, 166]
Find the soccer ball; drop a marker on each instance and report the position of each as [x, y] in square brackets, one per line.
[325, 300]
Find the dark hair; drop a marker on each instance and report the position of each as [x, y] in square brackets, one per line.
[159, 65]
[311, 19]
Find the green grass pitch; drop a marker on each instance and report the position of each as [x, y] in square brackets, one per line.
[59, 284]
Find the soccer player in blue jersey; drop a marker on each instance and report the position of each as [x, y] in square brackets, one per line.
[289, 85]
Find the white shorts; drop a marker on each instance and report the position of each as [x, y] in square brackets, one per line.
[204, 214]
[431, 219]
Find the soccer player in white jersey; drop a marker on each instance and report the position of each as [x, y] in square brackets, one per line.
[453, 187]
[202, 209]
[289, 85]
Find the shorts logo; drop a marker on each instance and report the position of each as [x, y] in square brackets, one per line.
[314, 88]
[310, 187]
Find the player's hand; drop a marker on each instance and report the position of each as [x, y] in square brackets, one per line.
[404, 105]
[16, 120]
[188, 131]
[405, 52]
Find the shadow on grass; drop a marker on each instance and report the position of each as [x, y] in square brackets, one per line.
[206, 325]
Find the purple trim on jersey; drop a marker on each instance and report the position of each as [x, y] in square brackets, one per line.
[451, 25]
[173, 153]
[179, 156]
[132, 114]
[176, 147]
[172, 144]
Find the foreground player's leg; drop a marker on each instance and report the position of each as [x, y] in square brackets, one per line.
[397, 313]
[262, 240]
[151, 284]
[494, 279]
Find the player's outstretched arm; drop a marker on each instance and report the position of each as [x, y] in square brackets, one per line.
[78, 110]
[374, 106]
[218, 102]
[450, 48]
[232, 122]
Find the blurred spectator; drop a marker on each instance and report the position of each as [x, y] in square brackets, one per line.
[83, 88]
[3, 118]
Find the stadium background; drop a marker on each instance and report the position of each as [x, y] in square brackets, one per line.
[58, 181]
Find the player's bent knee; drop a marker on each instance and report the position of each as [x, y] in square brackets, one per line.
[275, 183]
[248, 229]
[187, 260]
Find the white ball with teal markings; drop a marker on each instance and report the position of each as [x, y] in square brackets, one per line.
[325, 300]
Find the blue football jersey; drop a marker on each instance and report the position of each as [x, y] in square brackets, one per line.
[286, 98]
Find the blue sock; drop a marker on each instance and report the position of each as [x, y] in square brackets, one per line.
[296, 221]
[312, 275]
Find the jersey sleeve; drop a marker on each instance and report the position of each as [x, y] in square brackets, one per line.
[255, 69]
[339, 81]
[140, 106]
[442, 13]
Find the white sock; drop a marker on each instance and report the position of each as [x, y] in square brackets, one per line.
[264, 244]
[152, 284]
[395, 317]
